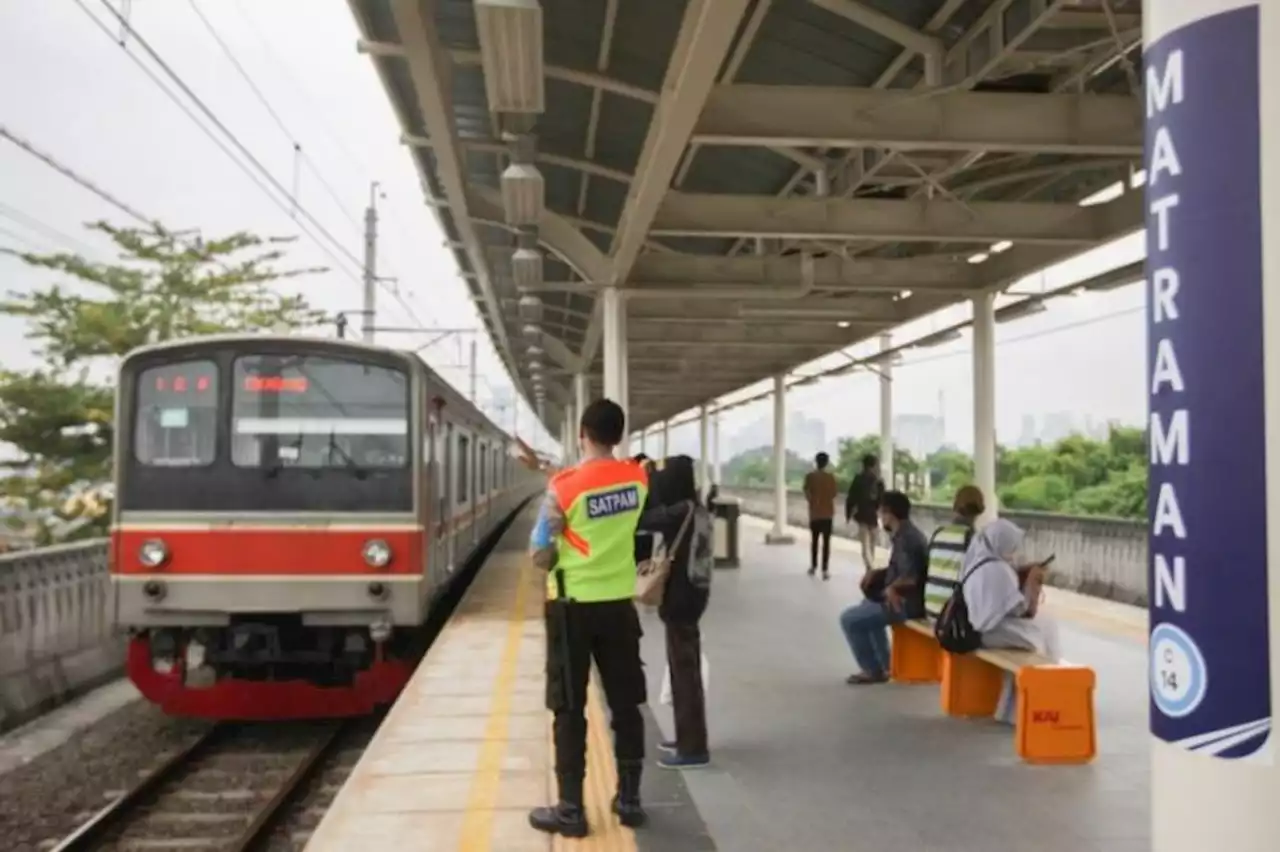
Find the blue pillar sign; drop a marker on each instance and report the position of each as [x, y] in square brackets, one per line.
[1209, 660]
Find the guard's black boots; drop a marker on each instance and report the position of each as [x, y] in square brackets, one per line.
[626, 804]
[566, 818]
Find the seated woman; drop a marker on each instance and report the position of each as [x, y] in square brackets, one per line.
[1003, 597]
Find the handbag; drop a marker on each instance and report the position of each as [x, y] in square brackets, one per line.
[652, 573]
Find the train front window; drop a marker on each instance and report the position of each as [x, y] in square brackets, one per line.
[316, 412]
[177, 415]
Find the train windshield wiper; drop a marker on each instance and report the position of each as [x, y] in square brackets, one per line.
[351, 465]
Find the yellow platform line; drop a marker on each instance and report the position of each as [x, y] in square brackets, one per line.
[477, 821]
[607, 834]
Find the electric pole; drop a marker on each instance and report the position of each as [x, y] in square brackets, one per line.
[473, 371]
[370, 264]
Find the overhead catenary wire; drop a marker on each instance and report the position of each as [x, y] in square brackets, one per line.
[300, 154]
[67, 172]
[1045, 332]
[54, 235]
[281, 194]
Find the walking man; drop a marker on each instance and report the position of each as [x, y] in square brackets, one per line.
[820, 490]
[862, 505]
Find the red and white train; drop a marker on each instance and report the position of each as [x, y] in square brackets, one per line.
[287, 513]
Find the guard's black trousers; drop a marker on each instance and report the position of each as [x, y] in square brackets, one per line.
[608, 632]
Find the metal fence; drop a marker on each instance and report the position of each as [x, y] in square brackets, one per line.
[56, 637]
[1103, 557]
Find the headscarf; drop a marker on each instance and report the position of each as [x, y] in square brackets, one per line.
[990, 581]
[673, 481]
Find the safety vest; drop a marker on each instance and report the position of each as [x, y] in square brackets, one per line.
[946, 557]
[601, 501]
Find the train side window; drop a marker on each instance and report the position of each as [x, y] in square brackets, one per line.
[464, 473]
[445, 471]
[176, 419]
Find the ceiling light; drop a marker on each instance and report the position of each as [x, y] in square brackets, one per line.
[980, 257]
[1003, 245]
[844, 324]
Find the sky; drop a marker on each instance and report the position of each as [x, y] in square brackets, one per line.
[85, 101]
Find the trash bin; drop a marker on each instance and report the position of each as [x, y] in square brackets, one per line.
[726, 511]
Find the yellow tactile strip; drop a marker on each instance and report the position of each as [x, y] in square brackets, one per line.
[466, 751]
[607, 834]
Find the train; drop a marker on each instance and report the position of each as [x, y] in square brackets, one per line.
[288, 513]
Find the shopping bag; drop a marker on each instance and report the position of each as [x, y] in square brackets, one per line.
[665, 696]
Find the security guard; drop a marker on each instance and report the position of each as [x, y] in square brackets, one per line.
[585, 537]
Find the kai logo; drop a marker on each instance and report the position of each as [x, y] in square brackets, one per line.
[613, 502]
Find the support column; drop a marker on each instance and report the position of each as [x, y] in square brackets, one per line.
[1213, 267]
[666, 438]
[581, 398]
[886, 414]
[704, 453]
[779, 534]
[984, 400]
[715, 448]
[615, 352]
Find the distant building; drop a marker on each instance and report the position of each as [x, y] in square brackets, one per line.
[919, 434]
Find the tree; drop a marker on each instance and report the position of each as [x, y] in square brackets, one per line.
[164, 286]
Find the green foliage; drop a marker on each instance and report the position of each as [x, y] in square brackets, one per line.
[754, 468]
[164, 286]
[1077, 475]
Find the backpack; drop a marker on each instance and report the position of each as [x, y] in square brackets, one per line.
[702, 553]
[953, 629]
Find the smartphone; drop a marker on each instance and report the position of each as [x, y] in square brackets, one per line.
[1047, 562]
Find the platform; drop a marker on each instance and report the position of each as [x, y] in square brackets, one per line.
[800, 761]
[466, 752]
[804, 762]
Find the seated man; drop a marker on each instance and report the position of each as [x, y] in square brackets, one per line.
[893, 594]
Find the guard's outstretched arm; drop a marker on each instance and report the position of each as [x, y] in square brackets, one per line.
[548, 528]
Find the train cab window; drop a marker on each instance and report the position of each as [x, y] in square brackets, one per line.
[177, 415]
[307, 411]
[464, 472]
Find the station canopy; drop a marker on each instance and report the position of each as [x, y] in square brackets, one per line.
[766, 181]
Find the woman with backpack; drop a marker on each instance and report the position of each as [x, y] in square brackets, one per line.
[684, 600]
[1003, 600]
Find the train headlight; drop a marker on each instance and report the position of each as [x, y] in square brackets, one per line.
[377, 553]
[153, 553]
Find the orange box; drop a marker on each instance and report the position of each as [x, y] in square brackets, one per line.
[1056, 722]
[914, 657]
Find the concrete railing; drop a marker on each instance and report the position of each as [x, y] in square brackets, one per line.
[56, 638]
[1103, 557]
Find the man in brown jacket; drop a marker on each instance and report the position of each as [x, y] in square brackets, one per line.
[820, 490]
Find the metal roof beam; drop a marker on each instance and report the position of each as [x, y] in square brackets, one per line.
[682, 214]
[706, 35]
[831, 117]
[423, 54]
[928, 46]
[554, 232]
[829, 273]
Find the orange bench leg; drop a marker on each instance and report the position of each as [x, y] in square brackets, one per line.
[914, 658]
[1055, 721]
[970, 687]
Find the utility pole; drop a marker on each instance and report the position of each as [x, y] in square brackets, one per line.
[473, 371]
[370, 264]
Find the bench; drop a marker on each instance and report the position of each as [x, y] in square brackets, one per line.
[1055, 720]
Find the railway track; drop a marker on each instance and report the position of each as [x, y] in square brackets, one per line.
[225, 791]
